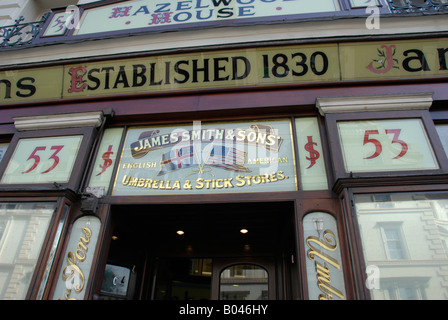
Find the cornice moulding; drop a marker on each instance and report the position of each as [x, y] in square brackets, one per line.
[400, 102]
[59, 121]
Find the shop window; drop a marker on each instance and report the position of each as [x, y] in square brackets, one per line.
[51, 256]
[244, 282]
[406, 244]
[23, 227]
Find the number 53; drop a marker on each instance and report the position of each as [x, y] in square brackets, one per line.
[34, 156]
[379, 147]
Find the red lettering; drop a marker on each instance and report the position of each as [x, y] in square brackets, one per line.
[77, 83]
[120, 12]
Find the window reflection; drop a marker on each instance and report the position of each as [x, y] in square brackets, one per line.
[394, 242]
[244, 282]
[23, 227]
[405, 236]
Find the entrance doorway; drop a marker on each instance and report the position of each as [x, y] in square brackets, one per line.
[225, 251]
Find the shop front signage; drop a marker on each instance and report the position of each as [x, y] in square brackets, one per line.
[248, 67]
[171, 14]
[75, 271]
[105, 160]
[386, 145]
[229, 69]
[323, 257]
[311, 155]
[42, 160]
[224, 157]
[396, 59]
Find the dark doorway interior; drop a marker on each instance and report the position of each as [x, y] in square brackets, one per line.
[159, 263]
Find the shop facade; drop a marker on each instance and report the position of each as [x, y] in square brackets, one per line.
[294, 169]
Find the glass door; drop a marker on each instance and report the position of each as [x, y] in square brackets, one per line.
[244, 282]
[247, 279]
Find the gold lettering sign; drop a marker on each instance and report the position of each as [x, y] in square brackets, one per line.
[323, 261]
[78, 259]
[227, 69]
[73, 273]
[221, 157]
[322, 270]
[37, 84]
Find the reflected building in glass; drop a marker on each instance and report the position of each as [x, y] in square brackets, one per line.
[405, 237]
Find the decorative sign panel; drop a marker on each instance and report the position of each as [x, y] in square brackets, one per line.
[234, 68]
[313, 174]
[75, 271]
[394, 60]
[31, 84]
[58, 24]
[42, 160]
[223, 157]
[323, 257]
[229, 69]
[172, 14]
[386, 145]
[105, 160]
